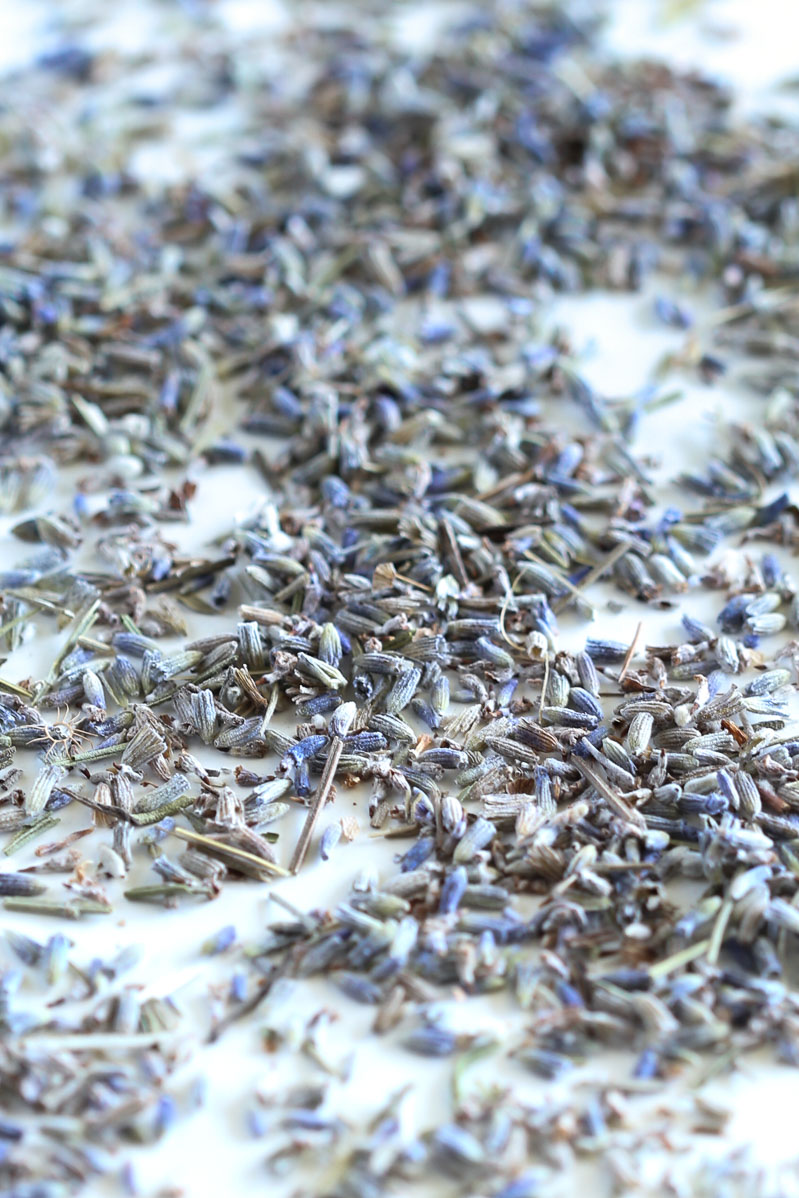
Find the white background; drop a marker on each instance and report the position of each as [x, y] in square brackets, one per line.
[753, 44]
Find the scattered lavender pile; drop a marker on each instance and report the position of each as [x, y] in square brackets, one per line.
[349, 306]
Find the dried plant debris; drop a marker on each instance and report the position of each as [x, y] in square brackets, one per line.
[90, 1068]
[349, 311]
[500, 1144]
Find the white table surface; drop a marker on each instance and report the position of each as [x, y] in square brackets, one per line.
[753, 44]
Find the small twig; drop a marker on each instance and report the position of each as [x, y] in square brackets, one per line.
[719, 928]
[593, 575]
[562, 600]
[340, 723]
[239, 858]
[21, 691]
[618, 804]
[625, 665]
[451, 543]
[544, 688]
[249, 1004]
[513, 480]
[662, 969]
[413, 582]
[295, 912]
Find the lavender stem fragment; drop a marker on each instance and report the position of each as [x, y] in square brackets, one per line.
[340, 723]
